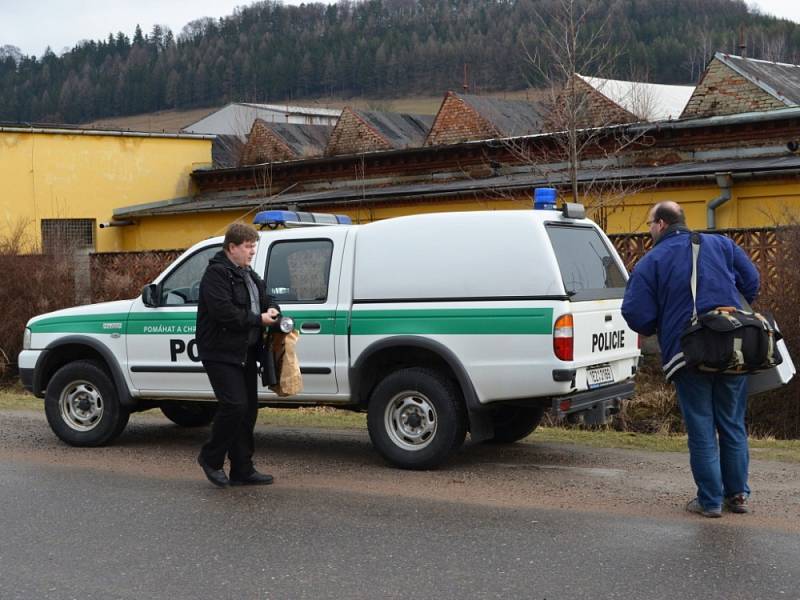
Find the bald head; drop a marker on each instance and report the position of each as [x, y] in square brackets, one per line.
[669, 212]
[662, 216]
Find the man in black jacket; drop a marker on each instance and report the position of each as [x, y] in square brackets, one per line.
[233, 310]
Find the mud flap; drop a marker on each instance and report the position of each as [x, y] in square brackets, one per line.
[481, 426]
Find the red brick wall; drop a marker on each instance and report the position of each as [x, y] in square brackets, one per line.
[599, 110]
[722, 91]
[596, 110]
[458, 122]
[352, 135]
[264, 146]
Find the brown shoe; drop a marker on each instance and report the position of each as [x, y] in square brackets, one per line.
[737, 504]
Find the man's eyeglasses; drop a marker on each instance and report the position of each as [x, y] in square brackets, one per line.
[649, 223]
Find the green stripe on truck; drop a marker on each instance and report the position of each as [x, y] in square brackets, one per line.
[453, 321]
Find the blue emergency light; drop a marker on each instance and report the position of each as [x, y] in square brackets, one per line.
[544, 198]
[277, 218]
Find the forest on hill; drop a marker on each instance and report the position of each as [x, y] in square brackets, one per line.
[270, 52]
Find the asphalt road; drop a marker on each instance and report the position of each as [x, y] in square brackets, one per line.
[138, 521]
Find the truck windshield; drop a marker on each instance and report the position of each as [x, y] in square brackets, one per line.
[588, 266]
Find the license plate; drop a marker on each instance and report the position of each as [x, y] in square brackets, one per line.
[597, 376]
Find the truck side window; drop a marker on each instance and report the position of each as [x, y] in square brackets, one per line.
[298, 271]
[182, 286]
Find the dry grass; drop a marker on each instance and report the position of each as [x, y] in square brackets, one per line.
[168, 121]
[654, 409]
[14, 398]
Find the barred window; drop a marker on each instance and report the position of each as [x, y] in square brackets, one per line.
[59, 235]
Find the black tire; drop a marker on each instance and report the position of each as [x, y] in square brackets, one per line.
[82, 405]
[416, 418]
[190, 414]
[513, 423]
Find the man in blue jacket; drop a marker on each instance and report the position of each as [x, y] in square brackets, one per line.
[658, 300]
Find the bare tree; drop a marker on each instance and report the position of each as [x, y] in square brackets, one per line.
[588, 139]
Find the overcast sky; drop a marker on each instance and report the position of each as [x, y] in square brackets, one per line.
[32, 25]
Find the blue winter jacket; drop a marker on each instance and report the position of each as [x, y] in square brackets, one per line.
[658, 296]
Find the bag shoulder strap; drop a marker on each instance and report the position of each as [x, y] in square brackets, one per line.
[695, 253]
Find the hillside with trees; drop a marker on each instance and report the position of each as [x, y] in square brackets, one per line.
[269, 52]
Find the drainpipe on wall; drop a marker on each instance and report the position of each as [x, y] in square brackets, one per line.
[724, 181]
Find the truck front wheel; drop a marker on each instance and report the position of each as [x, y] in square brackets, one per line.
[513, 423]
[82, 405]
[416, 418]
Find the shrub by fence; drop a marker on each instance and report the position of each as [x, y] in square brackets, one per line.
[29, 285]
[32, 284]
[120, 275]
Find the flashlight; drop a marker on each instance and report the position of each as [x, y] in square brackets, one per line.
[285, 324]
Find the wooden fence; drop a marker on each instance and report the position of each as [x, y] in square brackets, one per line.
[763, 245]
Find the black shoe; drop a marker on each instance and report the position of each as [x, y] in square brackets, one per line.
[255, 478]
[215, 476]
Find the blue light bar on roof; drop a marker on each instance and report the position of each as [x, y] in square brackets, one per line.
[275, 218]
[544, 198]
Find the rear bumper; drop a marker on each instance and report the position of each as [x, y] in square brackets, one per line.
[598, 405]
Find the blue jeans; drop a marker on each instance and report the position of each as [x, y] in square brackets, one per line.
[714, 405]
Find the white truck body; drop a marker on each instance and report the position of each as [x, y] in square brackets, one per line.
[459, 305]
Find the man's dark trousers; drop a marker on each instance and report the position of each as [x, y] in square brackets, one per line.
[236, 389]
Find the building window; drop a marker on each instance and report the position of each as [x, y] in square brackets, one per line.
[59, 235]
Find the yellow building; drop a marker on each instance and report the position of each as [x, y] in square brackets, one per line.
[62, 185]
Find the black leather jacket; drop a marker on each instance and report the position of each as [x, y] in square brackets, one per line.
[224, 317]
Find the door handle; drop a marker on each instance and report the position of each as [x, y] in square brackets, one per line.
[310, 327]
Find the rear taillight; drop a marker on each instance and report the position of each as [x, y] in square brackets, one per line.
[563, 336]
[638, 341]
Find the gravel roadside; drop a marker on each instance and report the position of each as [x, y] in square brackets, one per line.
[529, 474]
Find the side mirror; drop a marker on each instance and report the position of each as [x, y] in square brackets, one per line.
[151, 295]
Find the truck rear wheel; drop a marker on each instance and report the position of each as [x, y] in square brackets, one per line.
[416, 418]
[189, 414]
[82, 405]
[513, 423]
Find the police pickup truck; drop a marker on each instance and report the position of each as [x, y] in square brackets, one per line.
[435, 325]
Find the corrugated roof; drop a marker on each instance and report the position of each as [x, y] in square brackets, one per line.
[509, 117]
[226, 151]
[298, 110]
[237, 118]
[780, 80]
[401, 130]
[647, 101]
[222, 201]
[303, 140]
